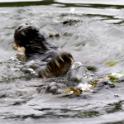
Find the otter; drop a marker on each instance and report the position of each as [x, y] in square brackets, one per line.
[32, 45]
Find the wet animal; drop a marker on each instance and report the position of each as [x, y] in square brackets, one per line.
[32, 45]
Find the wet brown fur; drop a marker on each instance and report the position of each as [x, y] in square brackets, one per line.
[34, 42]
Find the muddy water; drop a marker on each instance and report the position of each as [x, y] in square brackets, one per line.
[93, 32]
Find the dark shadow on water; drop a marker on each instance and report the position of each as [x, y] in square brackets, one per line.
[115, 107]
[119, 122]
[56, 113]
[50, 2]
[92, 5]
[21, 4]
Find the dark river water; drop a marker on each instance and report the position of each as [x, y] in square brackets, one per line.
[93, 31]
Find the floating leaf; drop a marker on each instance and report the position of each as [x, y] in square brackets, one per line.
[73, 91]
[112, 78]
[94, 83]
[111, 63]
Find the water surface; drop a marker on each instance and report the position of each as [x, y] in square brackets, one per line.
[92, 31]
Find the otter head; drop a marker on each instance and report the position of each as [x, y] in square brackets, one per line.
[30, 39]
